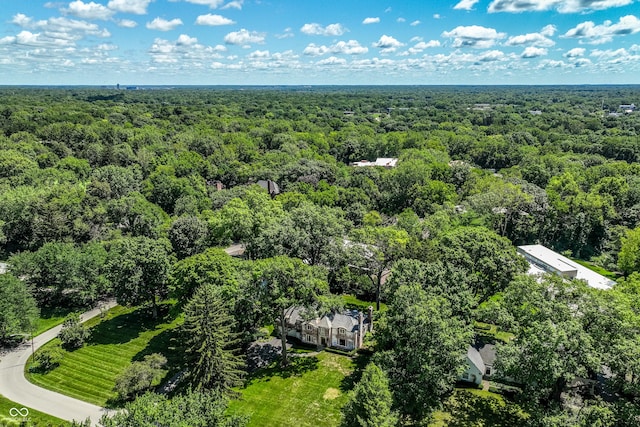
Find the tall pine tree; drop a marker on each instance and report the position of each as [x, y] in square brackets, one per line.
[212, 347]
[370, 401]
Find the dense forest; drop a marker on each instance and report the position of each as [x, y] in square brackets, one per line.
[132, 193]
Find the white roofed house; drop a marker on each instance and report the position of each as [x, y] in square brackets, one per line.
[543, 260]
[386, 162]
[343, 330]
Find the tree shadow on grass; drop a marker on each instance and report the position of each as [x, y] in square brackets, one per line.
[121, 329]
[360, 361]
[296, 367]
[468, 409]
[125, 327]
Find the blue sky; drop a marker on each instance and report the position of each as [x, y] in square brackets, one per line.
[211, 42]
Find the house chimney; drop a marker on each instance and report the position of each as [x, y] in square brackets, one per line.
[370, 317]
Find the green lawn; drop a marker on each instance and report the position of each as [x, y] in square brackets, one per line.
[489, 330]
[351, 301]
[310, 392]
[123, 336]
[34, 418]
[50, 317]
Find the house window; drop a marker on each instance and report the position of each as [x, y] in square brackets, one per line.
[488, 371]
[342, 331]
[309, 328]
[343, 343]
[465, 376]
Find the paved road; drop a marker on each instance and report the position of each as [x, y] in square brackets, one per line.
[14, 386]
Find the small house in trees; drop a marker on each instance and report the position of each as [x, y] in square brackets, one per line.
[343, 331]
[386, 162]
[271, 186]
[475, 367]
[4, 267]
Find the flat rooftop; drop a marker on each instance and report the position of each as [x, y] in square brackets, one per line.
[546, 257]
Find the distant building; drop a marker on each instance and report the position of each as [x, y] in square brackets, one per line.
[627, 108]
[4, 267]
[387, 162]
[271, 186]
[543, 260]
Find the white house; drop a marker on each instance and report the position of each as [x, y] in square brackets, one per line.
[475, 367]
[4, 267]
[387, 162]
[344, 330]
[543, 260]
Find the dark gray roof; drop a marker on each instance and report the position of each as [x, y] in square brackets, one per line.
[347, 319]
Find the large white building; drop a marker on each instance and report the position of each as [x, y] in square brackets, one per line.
[543, 260]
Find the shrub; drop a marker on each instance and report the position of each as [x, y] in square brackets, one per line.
[140, 376]
[47, 359]
[73, 334]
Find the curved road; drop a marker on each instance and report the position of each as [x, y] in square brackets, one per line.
[14, 386]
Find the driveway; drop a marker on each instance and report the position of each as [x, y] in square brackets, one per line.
[14, 386]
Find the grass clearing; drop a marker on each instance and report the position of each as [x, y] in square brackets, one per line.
[492, 331]
[33, 419]
[600, 270]
[351, 301]
[122, 336]
[310, 392]
[50, 318]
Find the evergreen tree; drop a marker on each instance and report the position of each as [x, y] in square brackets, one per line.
[370, 401]
[212, 347]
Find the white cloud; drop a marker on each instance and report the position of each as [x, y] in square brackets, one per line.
[575, 52]
[21, 19]
[371, 21]
[534, 39]
[236, 4]
[288, 33]
[318, 30]
[548, 30]
[387, 44]
[533, 52]
[421, 46]
[491, 56]
[562, 6]
[473, 36]
[415, 23]
[436, 16]
[259, 54]
[213, 4]
[127, 23]
[598, 34]
[164, 25]
[351, 47]
[332, 60]
[401, 20]
[244, 37]
[618, 56]
[465, 4]
[137, 7]
[184, 52]
[213, 20]
[89, 10]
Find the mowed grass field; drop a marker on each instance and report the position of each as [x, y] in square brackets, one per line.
[122, 336]
[311, 392]
[33, 419]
